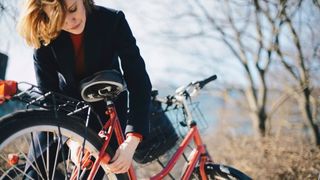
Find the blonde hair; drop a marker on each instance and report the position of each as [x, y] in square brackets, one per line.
[36, 27]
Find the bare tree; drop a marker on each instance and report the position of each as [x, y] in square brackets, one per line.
[243, 31]
[9, 10]
[252, 31]
[296, 60]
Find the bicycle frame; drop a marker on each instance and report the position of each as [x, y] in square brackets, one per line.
[199, 153]
[111, 125]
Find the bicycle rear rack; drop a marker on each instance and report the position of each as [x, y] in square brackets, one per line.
[32, 96]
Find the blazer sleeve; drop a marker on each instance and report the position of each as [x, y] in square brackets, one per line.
[136, 77]
[45, 69]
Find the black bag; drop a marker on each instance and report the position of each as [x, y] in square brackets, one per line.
[162, 135]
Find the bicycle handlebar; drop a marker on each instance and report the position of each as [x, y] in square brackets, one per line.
[206, 81]
[183, 91]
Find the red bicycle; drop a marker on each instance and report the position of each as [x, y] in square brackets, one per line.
[61, 119]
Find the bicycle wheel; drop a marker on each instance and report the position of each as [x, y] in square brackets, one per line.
[18, 135]
[220, 172]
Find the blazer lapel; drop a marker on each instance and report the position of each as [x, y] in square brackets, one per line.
[92, 45]
[62, 47]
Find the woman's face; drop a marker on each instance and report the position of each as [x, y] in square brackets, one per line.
[75, 19]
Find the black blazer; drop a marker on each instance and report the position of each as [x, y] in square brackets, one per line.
[107, 36]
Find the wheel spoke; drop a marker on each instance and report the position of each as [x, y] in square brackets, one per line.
[14, 168]
[39, 156]
[36, 167]
[42, 158]
[5, 173]
[56, 159]
[48, 157]
[62, 150]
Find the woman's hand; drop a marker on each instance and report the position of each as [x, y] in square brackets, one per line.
[122, 160]
[75, 151]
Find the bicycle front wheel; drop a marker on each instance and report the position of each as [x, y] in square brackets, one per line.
[35, 141]
[220, 172]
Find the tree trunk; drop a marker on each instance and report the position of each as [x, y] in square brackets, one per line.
[259, 122]
[306, 108]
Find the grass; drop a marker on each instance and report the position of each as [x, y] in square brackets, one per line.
[285, 157]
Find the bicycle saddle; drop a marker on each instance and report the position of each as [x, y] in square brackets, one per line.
[107, 84]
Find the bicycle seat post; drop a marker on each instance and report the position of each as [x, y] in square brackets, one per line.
[107, 101]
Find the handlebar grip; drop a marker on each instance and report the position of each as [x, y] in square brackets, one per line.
[206, 81]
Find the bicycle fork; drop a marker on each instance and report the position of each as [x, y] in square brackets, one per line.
[111, 124]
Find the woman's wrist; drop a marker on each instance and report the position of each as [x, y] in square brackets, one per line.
[132, 141]
[138, 135]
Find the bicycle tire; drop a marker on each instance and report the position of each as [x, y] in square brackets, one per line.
[220, 172]
[20, 127]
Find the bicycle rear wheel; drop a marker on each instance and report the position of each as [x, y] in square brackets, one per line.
[18, 135]
[220, 172]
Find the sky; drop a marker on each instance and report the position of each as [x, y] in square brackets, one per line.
[166, 62]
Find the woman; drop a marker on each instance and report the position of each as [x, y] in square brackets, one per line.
[74, 39]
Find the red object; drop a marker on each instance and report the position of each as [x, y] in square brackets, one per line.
[193, 135]
[7, 90]
[86, 161]
[198, 156]
[112, 124]
[78, 46]
[13, 159]
[135, 135]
